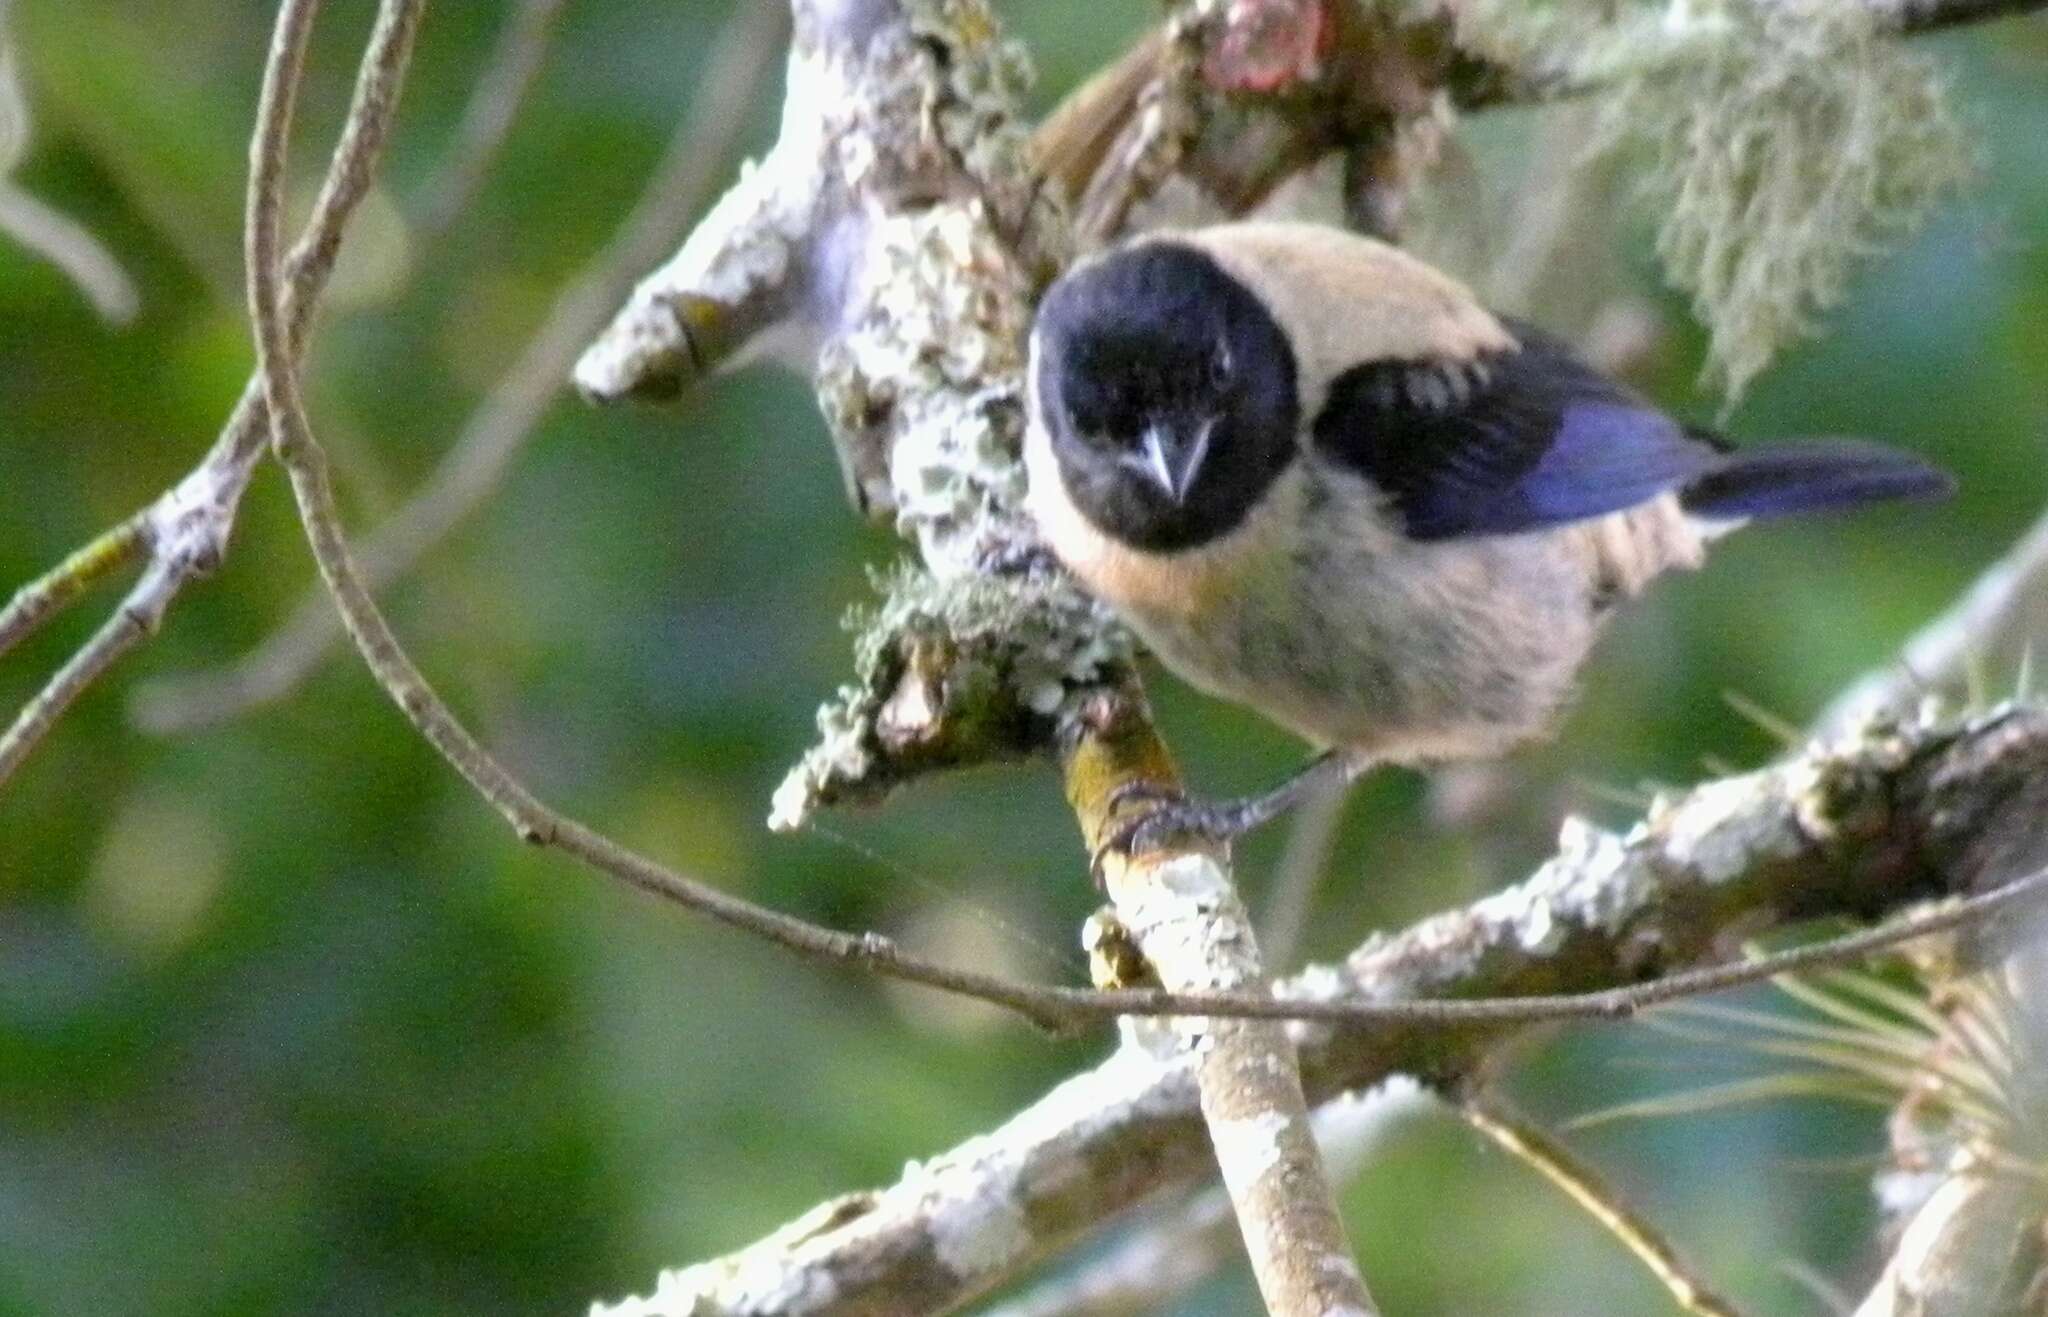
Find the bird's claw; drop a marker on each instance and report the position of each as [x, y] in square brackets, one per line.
[1166, 816]
[1142, 790]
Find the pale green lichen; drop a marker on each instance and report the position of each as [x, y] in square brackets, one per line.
[1784, 152]
[1014, 648]
[1786, 142]
[1057, 634]
[982, 80]
[932, 374]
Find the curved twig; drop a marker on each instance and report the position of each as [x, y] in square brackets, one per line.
[184, 534]
[501, 425]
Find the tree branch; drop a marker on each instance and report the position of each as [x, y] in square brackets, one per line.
[501, 425]
[1167, 1254]
[185, 532]
[1182, 911]
[893, 259]
[533, 821]
[1853, 829]
[895, 249]
[381, 650]
[1053, 1007]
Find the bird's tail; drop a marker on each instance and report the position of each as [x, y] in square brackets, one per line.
[1784, 479]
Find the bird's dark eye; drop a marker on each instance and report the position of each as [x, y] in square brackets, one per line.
[1220, 363]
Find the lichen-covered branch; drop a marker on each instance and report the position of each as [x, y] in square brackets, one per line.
[901, 262]
[1779, 143]
[1170, 1252]
[1181, 911]
[891, 242]
[1892, 815]
[894, 237]
[891, 239]
[1965, 1195]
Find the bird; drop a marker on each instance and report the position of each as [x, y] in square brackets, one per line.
[1317, 477]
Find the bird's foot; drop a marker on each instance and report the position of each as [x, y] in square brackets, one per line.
[1162, 815]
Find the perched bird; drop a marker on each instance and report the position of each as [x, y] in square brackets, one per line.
[1318, 478]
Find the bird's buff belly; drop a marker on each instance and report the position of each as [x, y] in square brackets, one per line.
[1387, 668]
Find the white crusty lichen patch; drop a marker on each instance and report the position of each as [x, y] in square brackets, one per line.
[924, 388]
[977, 1211]
[1051, 634]
[780, 265]
[1249, 1146]
[1185, 915]
[742, 283]
[981, 1233]
[1577, 886]
[766, 1280]
[1715, 833]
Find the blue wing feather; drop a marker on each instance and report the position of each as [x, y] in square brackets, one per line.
[1534, 438]
[1520, 441]
[1811, 476]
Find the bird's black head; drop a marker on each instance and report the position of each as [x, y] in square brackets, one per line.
[1168, 394]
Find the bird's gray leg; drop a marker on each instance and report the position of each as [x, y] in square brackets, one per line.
[1171, 815]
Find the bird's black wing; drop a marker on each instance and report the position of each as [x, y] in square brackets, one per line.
[1515, 441]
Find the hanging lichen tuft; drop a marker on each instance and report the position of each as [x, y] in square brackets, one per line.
[1784, 142]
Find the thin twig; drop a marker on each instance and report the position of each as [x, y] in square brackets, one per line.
[71, 247]
[1053, 1007]
[1940, 653]
[186, 530]
[1304, 863]
[495, 433]
[1614, 1003]
[509, 74]
[1056, 1008]
[1049, 1006]
[1536, 1148]
[394, 669]
[49, 594]
[536, 823]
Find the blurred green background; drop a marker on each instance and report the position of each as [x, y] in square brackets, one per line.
[289, 1023]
